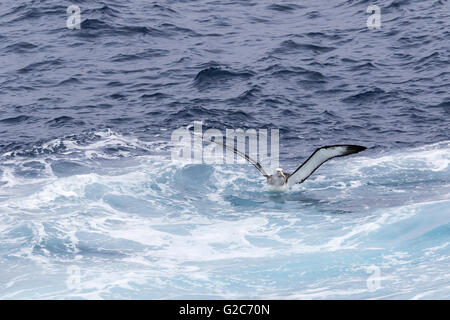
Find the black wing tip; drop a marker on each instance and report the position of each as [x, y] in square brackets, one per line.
[349, 148]
[355, 148]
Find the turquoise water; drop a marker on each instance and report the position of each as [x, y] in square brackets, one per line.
[369, 226]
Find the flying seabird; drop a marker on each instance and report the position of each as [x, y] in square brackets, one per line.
[282, 180]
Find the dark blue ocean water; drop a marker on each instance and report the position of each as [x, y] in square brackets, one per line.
[87, 183]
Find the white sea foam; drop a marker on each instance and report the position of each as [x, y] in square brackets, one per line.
[148, 223]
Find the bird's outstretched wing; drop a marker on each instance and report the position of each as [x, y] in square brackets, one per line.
[319, 157]
[242, 154]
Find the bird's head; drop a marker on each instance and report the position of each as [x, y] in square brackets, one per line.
[279, 173]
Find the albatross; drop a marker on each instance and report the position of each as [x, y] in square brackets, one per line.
[280, 180]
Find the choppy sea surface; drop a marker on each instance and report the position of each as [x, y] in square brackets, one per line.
[91, 205]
